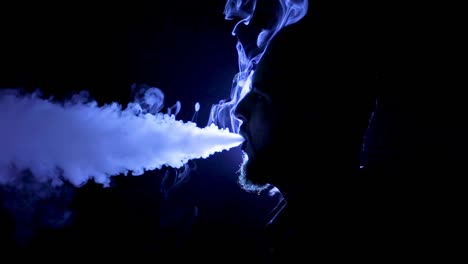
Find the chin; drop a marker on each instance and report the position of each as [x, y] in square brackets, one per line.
[251, 177]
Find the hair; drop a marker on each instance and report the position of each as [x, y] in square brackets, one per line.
[326, 71]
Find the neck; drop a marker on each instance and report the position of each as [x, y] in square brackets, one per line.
[315, 185]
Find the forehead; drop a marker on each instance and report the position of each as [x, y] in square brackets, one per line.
[281, 65]
[272, 78]
[267, 75]
[259, 80]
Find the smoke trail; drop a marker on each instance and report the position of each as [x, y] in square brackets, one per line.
[78, 140]
[33, 205]
[258, 24]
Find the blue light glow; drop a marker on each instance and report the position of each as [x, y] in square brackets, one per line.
[78, 140]
[283, 13]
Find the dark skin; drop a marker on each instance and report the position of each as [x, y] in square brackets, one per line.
[321, 80]
[304, 122]
[308, 108]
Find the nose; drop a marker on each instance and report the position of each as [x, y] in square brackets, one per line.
[241, 109]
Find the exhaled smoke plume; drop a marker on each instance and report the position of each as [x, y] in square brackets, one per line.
[78, 140]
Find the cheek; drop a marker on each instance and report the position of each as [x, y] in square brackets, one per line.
[258, 138]
[264, 133]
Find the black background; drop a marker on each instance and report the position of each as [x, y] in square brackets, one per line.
[186, 49]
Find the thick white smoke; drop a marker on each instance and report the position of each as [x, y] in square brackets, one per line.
[78, 140]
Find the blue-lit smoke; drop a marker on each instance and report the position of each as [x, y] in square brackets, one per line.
[78, 140]
[253, 37]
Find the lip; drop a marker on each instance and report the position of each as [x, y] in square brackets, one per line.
[244, 134]
[246, 148]
[244, 145]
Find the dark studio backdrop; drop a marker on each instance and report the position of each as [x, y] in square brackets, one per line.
[186, 49]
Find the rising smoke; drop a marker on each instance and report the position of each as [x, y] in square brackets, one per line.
[49, 147]
[257, 22]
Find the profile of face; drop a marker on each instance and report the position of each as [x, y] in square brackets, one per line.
[257, 112]
[266, 114]
[308, 106]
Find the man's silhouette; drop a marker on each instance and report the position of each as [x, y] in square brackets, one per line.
[304, 121]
